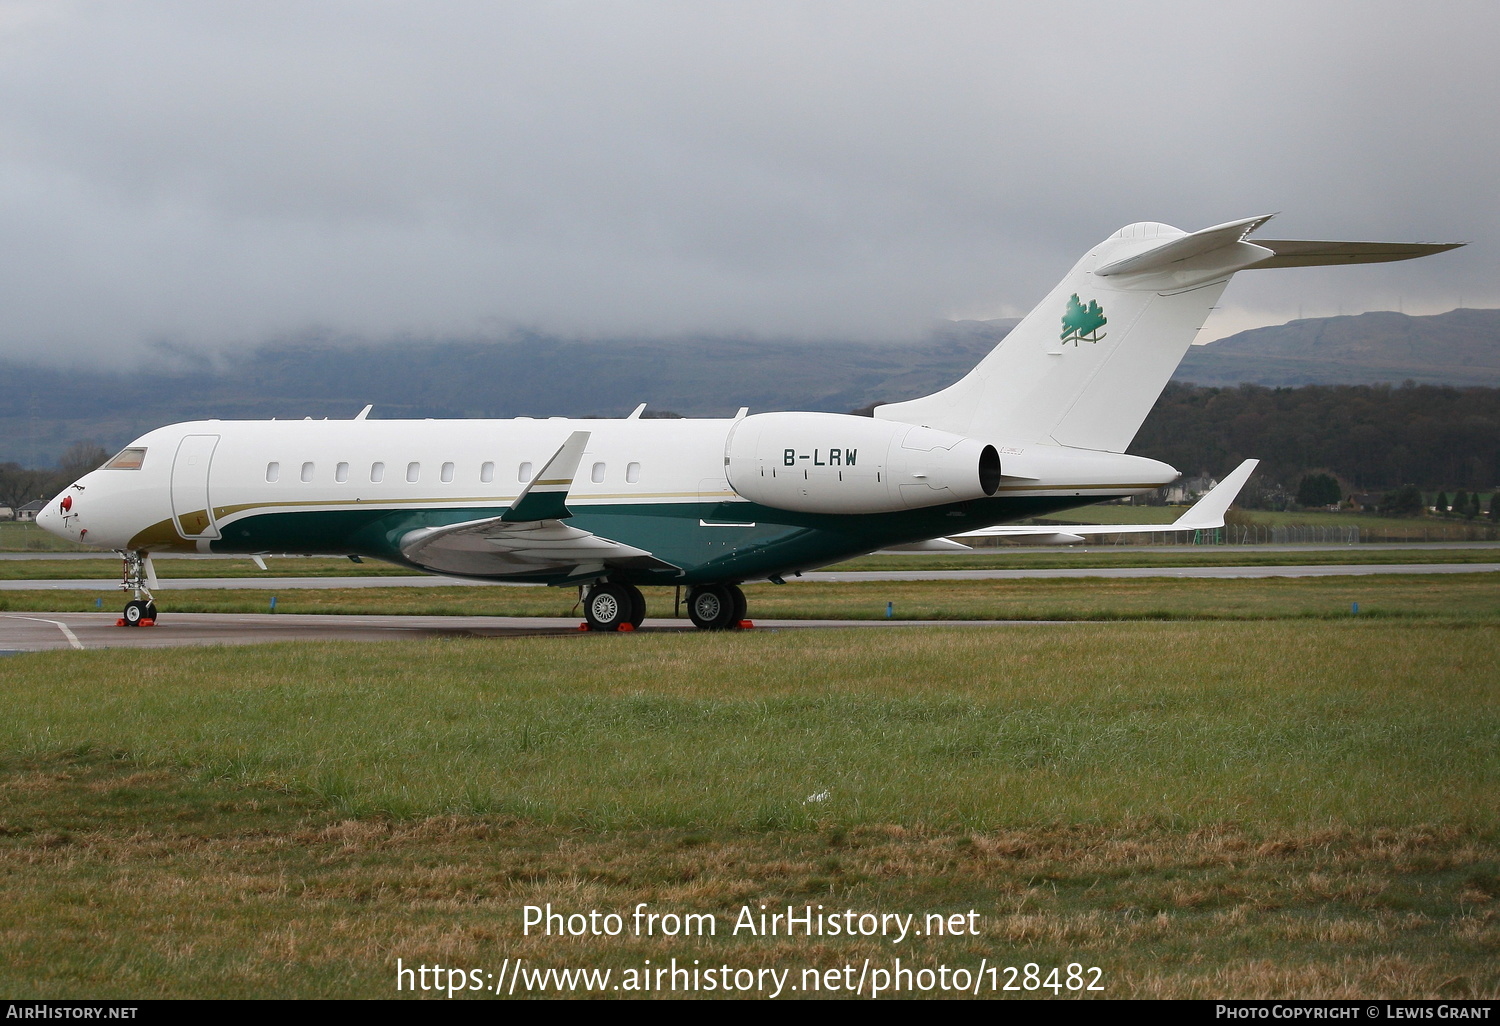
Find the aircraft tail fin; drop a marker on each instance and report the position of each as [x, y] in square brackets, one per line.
[1084, 368]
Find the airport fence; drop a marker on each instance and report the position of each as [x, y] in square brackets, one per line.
[1313, 534]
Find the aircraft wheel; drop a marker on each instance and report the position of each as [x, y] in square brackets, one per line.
[740, 607]
[135, 612]
[607, 607]
[637, 605]
[711, 607]
[151, 610]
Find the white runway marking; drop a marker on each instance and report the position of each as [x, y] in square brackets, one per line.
[67, 633]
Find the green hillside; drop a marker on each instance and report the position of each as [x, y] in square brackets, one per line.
[1460, 347]
[45, 409]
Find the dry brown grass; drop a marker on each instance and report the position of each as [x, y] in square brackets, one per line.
[248, 893]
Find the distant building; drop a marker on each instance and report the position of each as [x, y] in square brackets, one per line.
[29, 511]
[1189, 489]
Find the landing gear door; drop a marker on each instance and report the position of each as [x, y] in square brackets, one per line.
[191, 510]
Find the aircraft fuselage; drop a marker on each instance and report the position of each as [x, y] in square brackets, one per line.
[359, 487]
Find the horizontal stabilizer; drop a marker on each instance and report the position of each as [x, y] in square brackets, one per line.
[1177, 253]
[1320, 254]
[1206, 514]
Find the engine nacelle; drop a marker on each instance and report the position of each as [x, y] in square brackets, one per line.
[835, 463]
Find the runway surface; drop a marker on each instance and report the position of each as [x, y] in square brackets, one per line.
[424, 581]
[40, 632]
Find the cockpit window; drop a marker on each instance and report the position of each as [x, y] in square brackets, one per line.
[129, 459]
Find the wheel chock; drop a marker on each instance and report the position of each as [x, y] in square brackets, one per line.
[147, 623]
[583, 626]
[121, 622]
[746, 625]
[626, 627]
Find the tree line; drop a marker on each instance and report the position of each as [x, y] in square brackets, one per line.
[1311, 440]
[20, 485]
[1363, 438]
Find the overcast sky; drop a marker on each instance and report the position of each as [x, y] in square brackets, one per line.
[220, 174]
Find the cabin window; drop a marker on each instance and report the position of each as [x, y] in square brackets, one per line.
[341, 473]
[307, 473]
[447, 473]
[487, 472]
[632, 472]
[273, 472]
[377, 472]
[524, 473]
[128, 459]
[413, 472]
[598, 475]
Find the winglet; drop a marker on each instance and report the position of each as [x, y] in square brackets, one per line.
[1208, 512]
[545, 496]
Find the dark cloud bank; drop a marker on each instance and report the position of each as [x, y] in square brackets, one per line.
[220, 175]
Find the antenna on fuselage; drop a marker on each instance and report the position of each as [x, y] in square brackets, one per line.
[362, 414]
[635, 414]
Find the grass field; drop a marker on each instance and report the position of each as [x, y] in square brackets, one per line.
[42, 568]
[1467, 598]
[27, 537]
[1215, 808]
[1108, 557]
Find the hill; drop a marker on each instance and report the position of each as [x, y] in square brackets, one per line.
[43, 410]
[1460, 347]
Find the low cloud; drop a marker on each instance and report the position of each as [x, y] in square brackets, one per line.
[219, 175]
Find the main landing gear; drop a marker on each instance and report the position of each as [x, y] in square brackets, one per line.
[614, 607]
[716, 607]
[141, 610]
[621, 607]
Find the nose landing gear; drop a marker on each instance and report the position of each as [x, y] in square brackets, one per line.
[137, 577]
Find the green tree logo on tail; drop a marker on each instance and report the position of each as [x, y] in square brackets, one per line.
[1082, 323]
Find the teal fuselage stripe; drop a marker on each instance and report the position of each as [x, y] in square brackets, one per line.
[779, 542]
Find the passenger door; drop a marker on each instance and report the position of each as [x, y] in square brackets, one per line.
[190, 506]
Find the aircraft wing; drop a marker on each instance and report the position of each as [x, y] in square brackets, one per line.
[498, 548]
[1204, 515]
[530, 537]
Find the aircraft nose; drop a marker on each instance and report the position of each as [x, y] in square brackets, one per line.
[53, 519]
[49, 519]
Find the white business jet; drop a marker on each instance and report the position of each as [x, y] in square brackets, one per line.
[1040, 425]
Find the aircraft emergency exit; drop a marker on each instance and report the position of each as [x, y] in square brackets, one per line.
[1040, 425]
